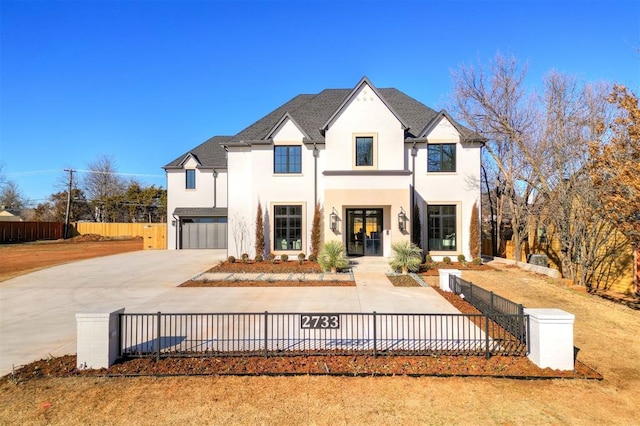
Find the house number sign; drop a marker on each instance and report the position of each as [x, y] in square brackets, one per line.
[322, 322]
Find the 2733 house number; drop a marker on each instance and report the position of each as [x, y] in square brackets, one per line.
[326, 321]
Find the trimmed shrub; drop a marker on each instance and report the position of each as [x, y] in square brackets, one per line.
[301, 257]
[474, 233]
[259, 246]
[313, 258]
[406, 257]
[245, 257]
[446, 260]
[316, 231]
[231, 259]
[284, 257]
[461, 258]
[272, 258]
[259, 258]
[477, 261]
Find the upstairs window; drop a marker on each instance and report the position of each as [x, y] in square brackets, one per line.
[364, 151]
[441, 157]
[287, 159]
[190, 175]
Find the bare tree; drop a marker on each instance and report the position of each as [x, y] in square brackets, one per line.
[101, 184]
[538, 144]
[495, 104]
[241, 233]
[572, 117]
[11, 197]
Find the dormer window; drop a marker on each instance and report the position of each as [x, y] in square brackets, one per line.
[190, 178]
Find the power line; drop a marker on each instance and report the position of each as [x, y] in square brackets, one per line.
[39, 172]
[117, 173]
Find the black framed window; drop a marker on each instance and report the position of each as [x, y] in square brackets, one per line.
[287, 230]
[364, 151]
[441, 157]
[287, 159]
[190, 175]
[441, 222]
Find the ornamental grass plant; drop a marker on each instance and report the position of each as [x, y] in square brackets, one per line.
[406, 257]
[331, 257]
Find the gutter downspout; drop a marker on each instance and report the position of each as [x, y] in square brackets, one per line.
[215, 185]
[414, 153]
[316, 154]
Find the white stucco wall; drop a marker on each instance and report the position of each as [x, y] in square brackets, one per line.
[201, 196]
[252, 180]
[461, 187]
[366, 114]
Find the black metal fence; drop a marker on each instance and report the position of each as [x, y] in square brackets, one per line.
[277, 334]
[506, 313]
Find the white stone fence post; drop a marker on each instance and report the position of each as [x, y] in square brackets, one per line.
[97, 339]
[550, 332]
[551, 338]
[444, 277]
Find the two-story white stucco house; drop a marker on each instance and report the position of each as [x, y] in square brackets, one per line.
[364, 154]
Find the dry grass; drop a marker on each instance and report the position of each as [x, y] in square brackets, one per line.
[606, 334]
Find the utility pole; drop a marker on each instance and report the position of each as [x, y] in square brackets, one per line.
[66, 220]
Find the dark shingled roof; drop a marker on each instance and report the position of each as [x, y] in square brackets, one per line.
[210, 154]
[200, 211]
[311, 112]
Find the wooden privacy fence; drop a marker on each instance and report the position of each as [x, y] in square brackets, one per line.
[18, 232]
[154, 234]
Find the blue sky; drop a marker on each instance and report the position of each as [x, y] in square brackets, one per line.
[145, 81]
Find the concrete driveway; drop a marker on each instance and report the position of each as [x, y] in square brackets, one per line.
[37, 310]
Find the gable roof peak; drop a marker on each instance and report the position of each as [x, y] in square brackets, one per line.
[286, 117]
[364, 80]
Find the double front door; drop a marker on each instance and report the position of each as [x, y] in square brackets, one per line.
[364, 232]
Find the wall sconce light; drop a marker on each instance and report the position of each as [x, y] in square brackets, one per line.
[402, 220]
[333, 220]
[414, 151]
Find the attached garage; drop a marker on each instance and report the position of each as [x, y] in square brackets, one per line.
[201, 228]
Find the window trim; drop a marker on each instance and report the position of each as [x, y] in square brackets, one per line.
[374, 162]
[288, 163]
[273, 247]
[455, 157]
[186, 181]
[458, 232]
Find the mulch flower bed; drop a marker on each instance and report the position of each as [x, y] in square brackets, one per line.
[354, 365]
[403, 281]
[432, 269]
[277, 267]
[268, 267]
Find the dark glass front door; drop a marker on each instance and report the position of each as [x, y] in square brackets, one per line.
[364, 232]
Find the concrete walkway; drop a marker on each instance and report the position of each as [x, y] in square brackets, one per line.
[37, 310]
